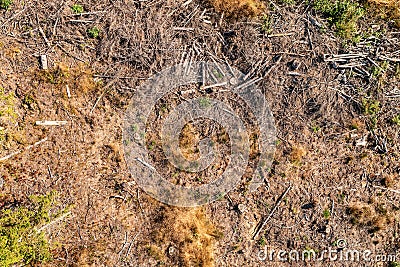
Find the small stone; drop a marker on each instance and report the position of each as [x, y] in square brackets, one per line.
[241, 208]
[171, 250]
[233, 81]
[136, 136]
[295, 65]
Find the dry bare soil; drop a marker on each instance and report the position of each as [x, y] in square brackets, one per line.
[336, 104]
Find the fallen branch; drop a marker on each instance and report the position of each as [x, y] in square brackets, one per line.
[281, 34]
[42, 32]
[250, 82]
[22, 150]
[53, 222]
[145, 164]
[51, 123]
[389, 59]
[105, 90]
[387, 189]
[214, 85]
[80, 21]
[272, 212]
[183, 29]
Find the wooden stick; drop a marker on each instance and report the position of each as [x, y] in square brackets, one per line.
[105, 89]
[87, 13]
[387, 189]
[80, 21]
[272, 211]
[53, 222]
[214, 85]
[281, 34]
[43, 62]
[250, 82]
[146, 164]
[22, 150]
[51, 123]
[183, 29]
[68, 91]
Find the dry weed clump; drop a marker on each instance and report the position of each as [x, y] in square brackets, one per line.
[387, 9]
[79, 79]
[190, 137]
[239, 8]
[186, 236]
[297, 154]
[375, 217]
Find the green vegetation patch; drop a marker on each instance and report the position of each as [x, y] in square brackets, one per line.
[343, 15]
[77, 9]
[371, 106]
[5, 4]
[396, 120]
[94, 32]
[7, 106]
[21, 240]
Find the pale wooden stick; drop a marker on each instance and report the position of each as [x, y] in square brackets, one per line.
[51, 123]
[272, 211]
[53, 222]
[21, 150]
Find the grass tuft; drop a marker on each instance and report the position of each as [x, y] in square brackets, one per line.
[77, 9]
[93, 32]
[387, 9]
[239, 8]
[5, 4]
[343, 15]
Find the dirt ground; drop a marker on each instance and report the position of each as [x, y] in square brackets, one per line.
[337, 149]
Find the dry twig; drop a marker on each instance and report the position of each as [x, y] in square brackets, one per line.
[272, 212]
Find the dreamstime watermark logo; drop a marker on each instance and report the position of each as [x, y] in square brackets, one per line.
[209, 79]
[339, 253]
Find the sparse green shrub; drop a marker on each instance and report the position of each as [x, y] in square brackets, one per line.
[7, 107]
[371, 106]
[77, 9]
[289, 2]
[5, 4]
[57, 75]
[396, 119]
[29, 101]
[315, 128]
[397, 71]
[327, 214]
[262, 242]
[376, 71]
[21, 243]
[205, 102]
[266, 22]
[342, 14]
[94, 32]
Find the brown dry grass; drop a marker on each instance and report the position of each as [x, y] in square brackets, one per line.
[190, 137]
[238, 8]
[79, 78]
[189, 232]
[297, 154]
[387, 9]
[374, 216]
